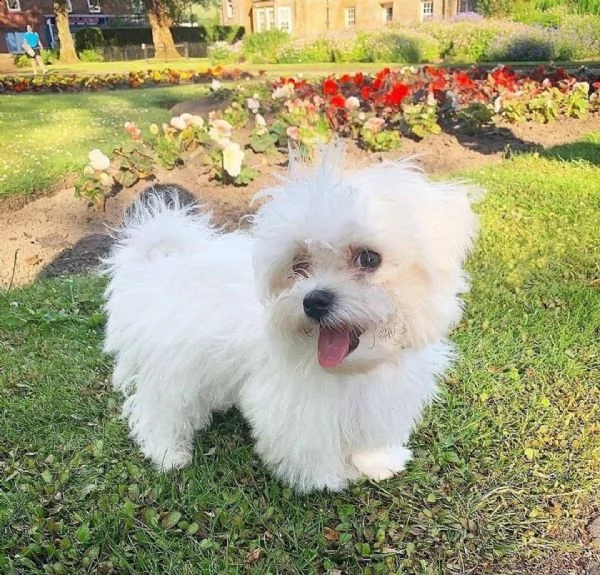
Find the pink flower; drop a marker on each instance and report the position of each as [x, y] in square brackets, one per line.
[133, 130]
[374, 124]
[292, 132]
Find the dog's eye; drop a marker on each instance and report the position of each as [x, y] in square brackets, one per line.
[367, 260]
[300, 268]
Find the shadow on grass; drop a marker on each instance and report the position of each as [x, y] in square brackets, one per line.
[577, 151]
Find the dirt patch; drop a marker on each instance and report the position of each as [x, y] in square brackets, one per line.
[57, 234]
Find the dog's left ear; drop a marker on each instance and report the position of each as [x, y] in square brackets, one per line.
[447, 212]
[436, 215]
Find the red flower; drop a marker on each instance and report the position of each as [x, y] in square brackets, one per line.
[338, 101]
[346, 79]
[439, 84]
[383, 74]
[396, 95]
[359, 79]
[464, 81]
[330, 86]
[366, 93]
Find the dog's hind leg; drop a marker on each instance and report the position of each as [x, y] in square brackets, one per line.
[163, 424]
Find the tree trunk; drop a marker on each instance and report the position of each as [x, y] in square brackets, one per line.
[160, 22]
[65, 39]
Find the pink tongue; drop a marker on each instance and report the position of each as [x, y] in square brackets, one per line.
[333, 347]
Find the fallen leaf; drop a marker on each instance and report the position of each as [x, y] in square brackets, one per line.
[254, 556]
[331, 534]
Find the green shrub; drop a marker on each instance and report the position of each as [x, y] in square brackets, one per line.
[552, 18]
[404, 46]
[91, 56]
[580, 35]
[527, 44]
[88, 39]
[317, 51]
[464, 42]
[224, 53]
[354, 49]
[221, 33]
[262, 47]
[49, 56]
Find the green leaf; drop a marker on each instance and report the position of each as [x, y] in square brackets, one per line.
[169, 521]
[83, 534]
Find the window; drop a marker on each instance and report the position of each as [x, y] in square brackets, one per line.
[284, 17]
[264, 19]
[350, 17]
[94, 6]
[387, 13]
[229, 10]
[270, 18]
[13, 5]
[426, 10]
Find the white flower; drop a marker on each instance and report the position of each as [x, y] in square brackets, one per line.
[497, 105]
[192, 120]
[285, 91]
[362, 116]
[178, 123]
[261, 125]
[352, 103]
[253, 104]
[105, 179]
[98, 160]
[215, 85]
[186, 116]
[233, 156]
[196, 121]
[220, 132]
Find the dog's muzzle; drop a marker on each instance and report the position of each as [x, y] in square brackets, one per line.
[318, 303]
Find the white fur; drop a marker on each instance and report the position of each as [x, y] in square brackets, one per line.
[199, 321]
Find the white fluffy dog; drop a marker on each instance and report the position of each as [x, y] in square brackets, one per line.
[325, 325]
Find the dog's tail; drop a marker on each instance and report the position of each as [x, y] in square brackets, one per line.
[162, 221]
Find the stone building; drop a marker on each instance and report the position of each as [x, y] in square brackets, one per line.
[313, 17]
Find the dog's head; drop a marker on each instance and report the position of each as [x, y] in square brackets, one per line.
[354, 267]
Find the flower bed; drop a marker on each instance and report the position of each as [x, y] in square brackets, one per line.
[376, 110]
[77, 83]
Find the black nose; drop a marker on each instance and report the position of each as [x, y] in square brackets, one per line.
[317, 303]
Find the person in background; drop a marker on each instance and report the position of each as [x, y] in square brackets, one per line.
[32, 45]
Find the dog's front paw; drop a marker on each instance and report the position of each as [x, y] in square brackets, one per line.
[177, 457]
[380, 464]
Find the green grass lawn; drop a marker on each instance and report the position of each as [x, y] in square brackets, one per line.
[507, 463]
[308, 69]
[45, 136]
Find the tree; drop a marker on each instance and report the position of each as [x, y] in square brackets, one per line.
[65, 38]
[160, 15]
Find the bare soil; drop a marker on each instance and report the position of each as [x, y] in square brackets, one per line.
[57, 234]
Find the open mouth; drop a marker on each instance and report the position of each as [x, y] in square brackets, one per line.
[335, 345]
